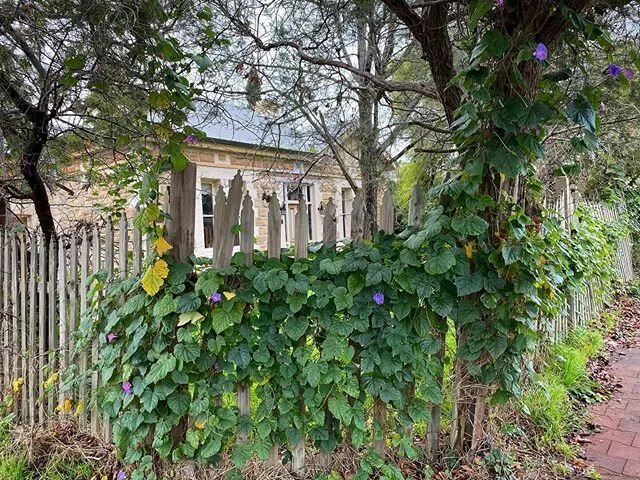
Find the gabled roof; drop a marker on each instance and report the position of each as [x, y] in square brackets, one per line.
[239, 125]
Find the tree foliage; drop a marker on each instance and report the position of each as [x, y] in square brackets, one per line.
[86, 74]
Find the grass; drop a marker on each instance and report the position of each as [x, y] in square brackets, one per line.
[14, 465]
[563, 379]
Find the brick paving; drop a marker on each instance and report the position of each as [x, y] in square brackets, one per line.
[615, 451]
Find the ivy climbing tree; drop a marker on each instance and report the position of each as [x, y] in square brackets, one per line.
[499, 104]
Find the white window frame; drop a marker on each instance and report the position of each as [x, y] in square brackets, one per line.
[347, 196]
[208, 186]
[288, 220]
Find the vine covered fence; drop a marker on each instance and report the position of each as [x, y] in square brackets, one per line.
[48, 289]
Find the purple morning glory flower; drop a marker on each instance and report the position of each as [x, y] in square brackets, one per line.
[215, 298]
[378, 298]
[630, 74]
[121, 475]
[613, 70]
[541, 52]
[191, 139]
[111, 337]
[500, 4]
[127, 388]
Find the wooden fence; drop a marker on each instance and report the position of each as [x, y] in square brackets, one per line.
[45, 290]
[588, 303]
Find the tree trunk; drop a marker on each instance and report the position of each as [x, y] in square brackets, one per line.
[38, 136]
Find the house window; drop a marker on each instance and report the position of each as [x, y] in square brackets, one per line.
[209, 190]
[291, 193]
[347, 208]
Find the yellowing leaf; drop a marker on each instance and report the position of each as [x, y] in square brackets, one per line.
[228, 295]
[199, 424]
[51, 380]
[189, 317]
[80, 408]
[154, 278]
[65, 406]
[542, 259]
[17, 384]
[161, 246]
[469, 248]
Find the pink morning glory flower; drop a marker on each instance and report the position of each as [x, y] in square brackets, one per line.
[630, 74]
[127, 388]
[613, 70]
[541, 52]
[121, 475]
[378, 298]
[111, 337]
[191, 139]
[215, 298]
[500, 4]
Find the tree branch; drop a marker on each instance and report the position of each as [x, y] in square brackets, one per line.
[388, 85]
[431, 32]
[26, 49]
[26, 108]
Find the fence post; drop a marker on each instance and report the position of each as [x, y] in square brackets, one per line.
[182, 208]
[563, 190]
[51, 323]
[24, 409]
[416, 207]
[73, 295]
[387, 222]
[329, 236]
[62, 318]
[15, 311]
[6, 277]
[229, 220]
[180, 233]
[137, 251]
[33, 365]
[357, 219]
[301, 251]
[94, 346]
[274, 234]
[274, 243]
[109, 261]
[42, 323]
[84, 273]
[246, 246]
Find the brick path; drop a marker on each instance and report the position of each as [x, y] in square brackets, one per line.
[616, 450]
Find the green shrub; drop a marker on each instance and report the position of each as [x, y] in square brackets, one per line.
[501, 464]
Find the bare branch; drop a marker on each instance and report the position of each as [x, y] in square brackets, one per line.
[388, 85]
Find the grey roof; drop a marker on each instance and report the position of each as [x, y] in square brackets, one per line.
[236, 124]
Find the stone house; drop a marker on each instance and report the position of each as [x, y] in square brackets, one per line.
[270, 159]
